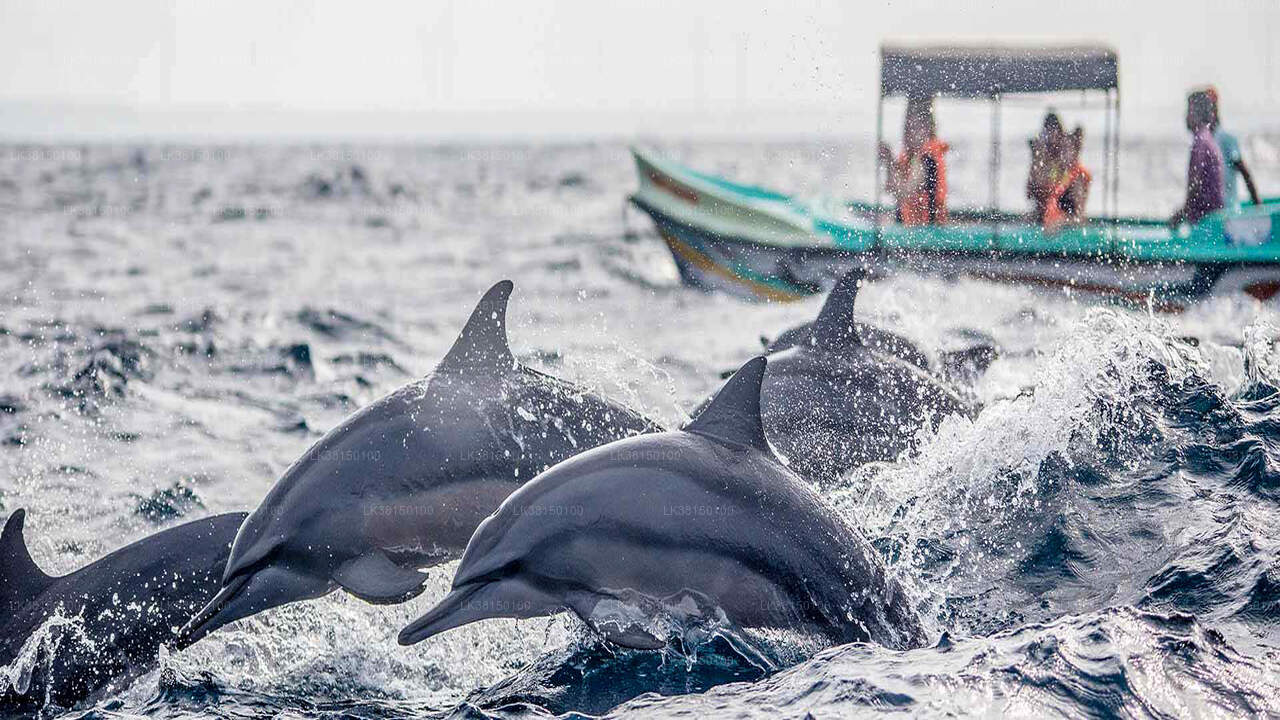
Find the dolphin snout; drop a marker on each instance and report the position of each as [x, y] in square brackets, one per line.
[201, 623]
[252, 592]
[451, 612]
[507, 597]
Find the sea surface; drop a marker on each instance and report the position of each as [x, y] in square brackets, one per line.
[178, 323]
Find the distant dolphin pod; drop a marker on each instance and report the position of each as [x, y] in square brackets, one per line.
[122, 607]
[702, 523]
[401, 484]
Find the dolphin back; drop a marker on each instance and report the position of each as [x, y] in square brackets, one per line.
[21, 580]
[401, 484]
[708, 514]
[123, 607]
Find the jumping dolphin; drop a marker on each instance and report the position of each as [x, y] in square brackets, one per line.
[401, 484]
[125, 606]
[703, 522]
[840, 393]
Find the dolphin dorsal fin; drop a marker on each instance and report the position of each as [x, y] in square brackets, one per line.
[482, 344]
[733, 415]
[20, 578]
[835, 326]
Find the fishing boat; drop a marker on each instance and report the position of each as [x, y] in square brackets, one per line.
[767, 245]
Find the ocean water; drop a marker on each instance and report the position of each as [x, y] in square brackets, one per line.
[177, 324]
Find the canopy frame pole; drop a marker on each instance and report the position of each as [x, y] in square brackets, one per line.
[875, 207]
[1107, 210]
[994, 202]
[1115, 164]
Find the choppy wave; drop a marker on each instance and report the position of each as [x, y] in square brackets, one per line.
[178, 324]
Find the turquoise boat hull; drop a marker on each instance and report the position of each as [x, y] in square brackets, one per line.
[764, 245]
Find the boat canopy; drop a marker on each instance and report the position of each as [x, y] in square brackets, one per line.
[985, 71]
[991, 72]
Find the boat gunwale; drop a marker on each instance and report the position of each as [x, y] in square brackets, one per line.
[890, 251]
[1090, 238]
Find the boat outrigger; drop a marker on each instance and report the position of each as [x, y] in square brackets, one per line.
[761, 244]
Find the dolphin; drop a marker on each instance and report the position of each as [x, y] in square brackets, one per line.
[699, 524]
[400, 485]
[839, 393]
[128, 604]
[962, 365]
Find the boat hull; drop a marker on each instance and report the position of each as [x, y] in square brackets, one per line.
[760, 245]
[746, 269]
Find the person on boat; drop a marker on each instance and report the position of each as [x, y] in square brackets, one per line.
[918, 176]
[1233, 161]
[1046, 170]
[1204, 169]
[1069, 196]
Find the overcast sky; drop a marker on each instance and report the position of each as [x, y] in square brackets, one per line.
[573, 67]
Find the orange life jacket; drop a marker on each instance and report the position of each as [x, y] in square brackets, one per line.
[913, 209]
[1054, 215]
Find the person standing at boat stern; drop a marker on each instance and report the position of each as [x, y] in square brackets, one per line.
[1204, 170]
[1232, 160]
[918, 176]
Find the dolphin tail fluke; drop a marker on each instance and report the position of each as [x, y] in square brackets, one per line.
[733, 415]
[482, 344]
[505, 598]
[375, 579]
[835, 326]
[20, 578]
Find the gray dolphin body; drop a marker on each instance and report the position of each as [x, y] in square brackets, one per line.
[401, 484]
[962, 365]
[839, 393]
[704, 521]
[128, 604]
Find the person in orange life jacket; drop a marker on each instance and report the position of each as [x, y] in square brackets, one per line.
[918, 176]
[1069, 195]
[1046, 169]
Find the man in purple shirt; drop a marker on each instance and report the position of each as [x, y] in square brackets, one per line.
[1204, 172]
